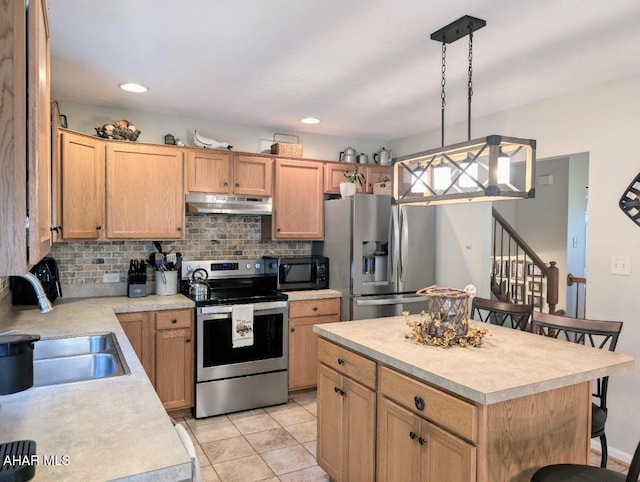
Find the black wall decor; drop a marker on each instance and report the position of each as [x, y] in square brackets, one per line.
[630, 200]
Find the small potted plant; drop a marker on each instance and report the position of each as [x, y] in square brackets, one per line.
[348, 187]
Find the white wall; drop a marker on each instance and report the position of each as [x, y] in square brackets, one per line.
[85, 118]
[602, 121]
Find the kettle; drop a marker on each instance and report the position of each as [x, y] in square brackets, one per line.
[199, 289]
[348, 155]
[382, 157]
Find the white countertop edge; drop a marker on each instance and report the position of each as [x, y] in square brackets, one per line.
[312, 294]
[476, 396]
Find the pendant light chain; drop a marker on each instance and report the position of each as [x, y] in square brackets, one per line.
[443, 94]
[470, 83]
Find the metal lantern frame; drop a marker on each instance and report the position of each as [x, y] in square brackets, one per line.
[416, 179]
[467, 171]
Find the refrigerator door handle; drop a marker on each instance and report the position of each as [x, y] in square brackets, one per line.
[390, 301]
[403, 235]
[393, 244]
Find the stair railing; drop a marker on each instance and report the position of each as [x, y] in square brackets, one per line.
[519, 275]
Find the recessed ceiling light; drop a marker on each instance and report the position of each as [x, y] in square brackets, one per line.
[310, 120]
[133, 87]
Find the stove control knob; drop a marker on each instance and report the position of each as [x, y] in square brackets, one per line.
[257, 265]
[189, 268]
[248, 266]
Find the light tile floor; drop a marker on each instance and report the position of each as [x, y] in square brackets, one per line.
[271, 444]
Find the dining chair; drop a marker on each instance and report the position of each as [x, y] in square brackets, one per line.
[587, 473]
[501, 313]
[595, 333]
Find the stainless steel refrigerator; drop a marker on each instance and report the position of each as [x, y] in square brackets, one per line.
[379, 254]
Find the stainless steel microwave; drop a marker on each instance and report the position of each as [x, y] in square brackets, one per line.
[299, 273]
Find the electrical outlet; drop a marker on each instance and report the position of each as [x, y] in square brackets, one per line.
[111, 278]
[621, 265]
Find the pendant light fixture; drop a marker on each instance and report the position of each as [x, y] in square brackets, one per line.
[491, 168]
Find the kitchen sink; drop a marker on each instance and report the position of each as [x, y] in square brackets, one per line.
[77, 358]
[73, 345]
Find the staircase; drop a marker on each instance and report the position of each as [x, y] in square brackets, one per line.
[518, 274]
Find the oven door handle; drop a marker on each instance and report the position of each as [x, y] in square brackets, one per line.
[220, 316]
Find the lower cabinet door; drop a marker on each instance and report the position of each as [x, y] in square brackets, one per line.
[359, 431]
[174, 368]
[329, 401]
[446, 457]
[398, 446]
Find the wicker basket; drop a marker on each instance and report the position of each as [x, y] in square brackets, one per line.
[288, 149]
[382, 187]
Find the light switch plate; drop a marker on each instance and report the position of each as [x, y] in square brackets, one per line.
[621, 265]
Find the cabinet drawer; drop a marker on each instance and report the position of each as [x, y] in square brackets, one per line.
[346, 362]
[322, 307]
[451, 413]
[169, 319]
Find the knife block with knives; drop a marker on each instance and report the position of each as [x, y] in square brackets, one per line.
[137, 278]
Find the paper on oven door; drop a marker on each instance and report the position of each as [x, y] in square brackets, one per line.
[241, 325]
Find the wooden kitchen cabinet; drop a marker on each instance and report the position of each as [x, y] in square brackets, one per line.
[252, 175]
[144, 191]
[375, 174]
[334, 175]
[163, 341]
[174, 358]
[139, 331]
[25, 237]
[412, 449]
[346, 414]
[303, 342]
[80, 184]
[221, 172]
[208, 171]
[298, 205]
[411, 446]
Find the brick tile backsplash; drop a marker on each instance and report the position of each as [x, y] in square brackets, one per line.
[210, 236]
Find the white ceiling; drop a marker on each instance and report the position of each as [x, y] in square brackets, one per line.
[367, 68]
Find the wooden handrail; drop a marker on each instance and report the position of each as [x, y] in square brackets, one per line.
[549, 271]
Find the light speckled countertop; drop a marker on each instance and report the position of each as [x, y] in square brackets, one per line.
[312, 294]
[110, 429]
[509, 363]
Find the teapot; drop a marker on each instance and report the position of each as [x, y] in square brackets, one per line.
[382, 157]
[199, 289]
[348, 155]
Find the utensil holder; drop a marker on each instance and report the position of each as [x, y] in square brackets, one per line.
[167, 285]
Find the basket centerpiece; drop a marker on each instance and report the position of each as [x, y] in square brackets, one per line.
[446, 321]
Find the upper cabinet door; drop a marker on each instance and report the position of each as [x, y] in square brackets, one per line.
[81, 186]
[298, 205]
[38, 132]
[252, 176]
[208, 171]
[145, 195]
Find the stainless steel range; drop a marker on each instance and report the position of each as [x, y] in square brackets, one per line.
[241, 335]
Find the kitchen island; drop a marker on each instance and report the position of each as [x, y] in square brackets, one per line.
[396, 410]
[104, 429]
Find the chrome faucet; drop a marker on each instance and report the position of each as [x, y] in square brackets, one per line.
[43, 301]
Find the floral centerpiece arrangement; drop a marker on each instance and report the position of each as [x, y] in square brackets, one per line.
[446, 321]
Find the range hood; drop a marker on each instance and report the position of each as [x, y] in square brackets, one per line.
[221, 204]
